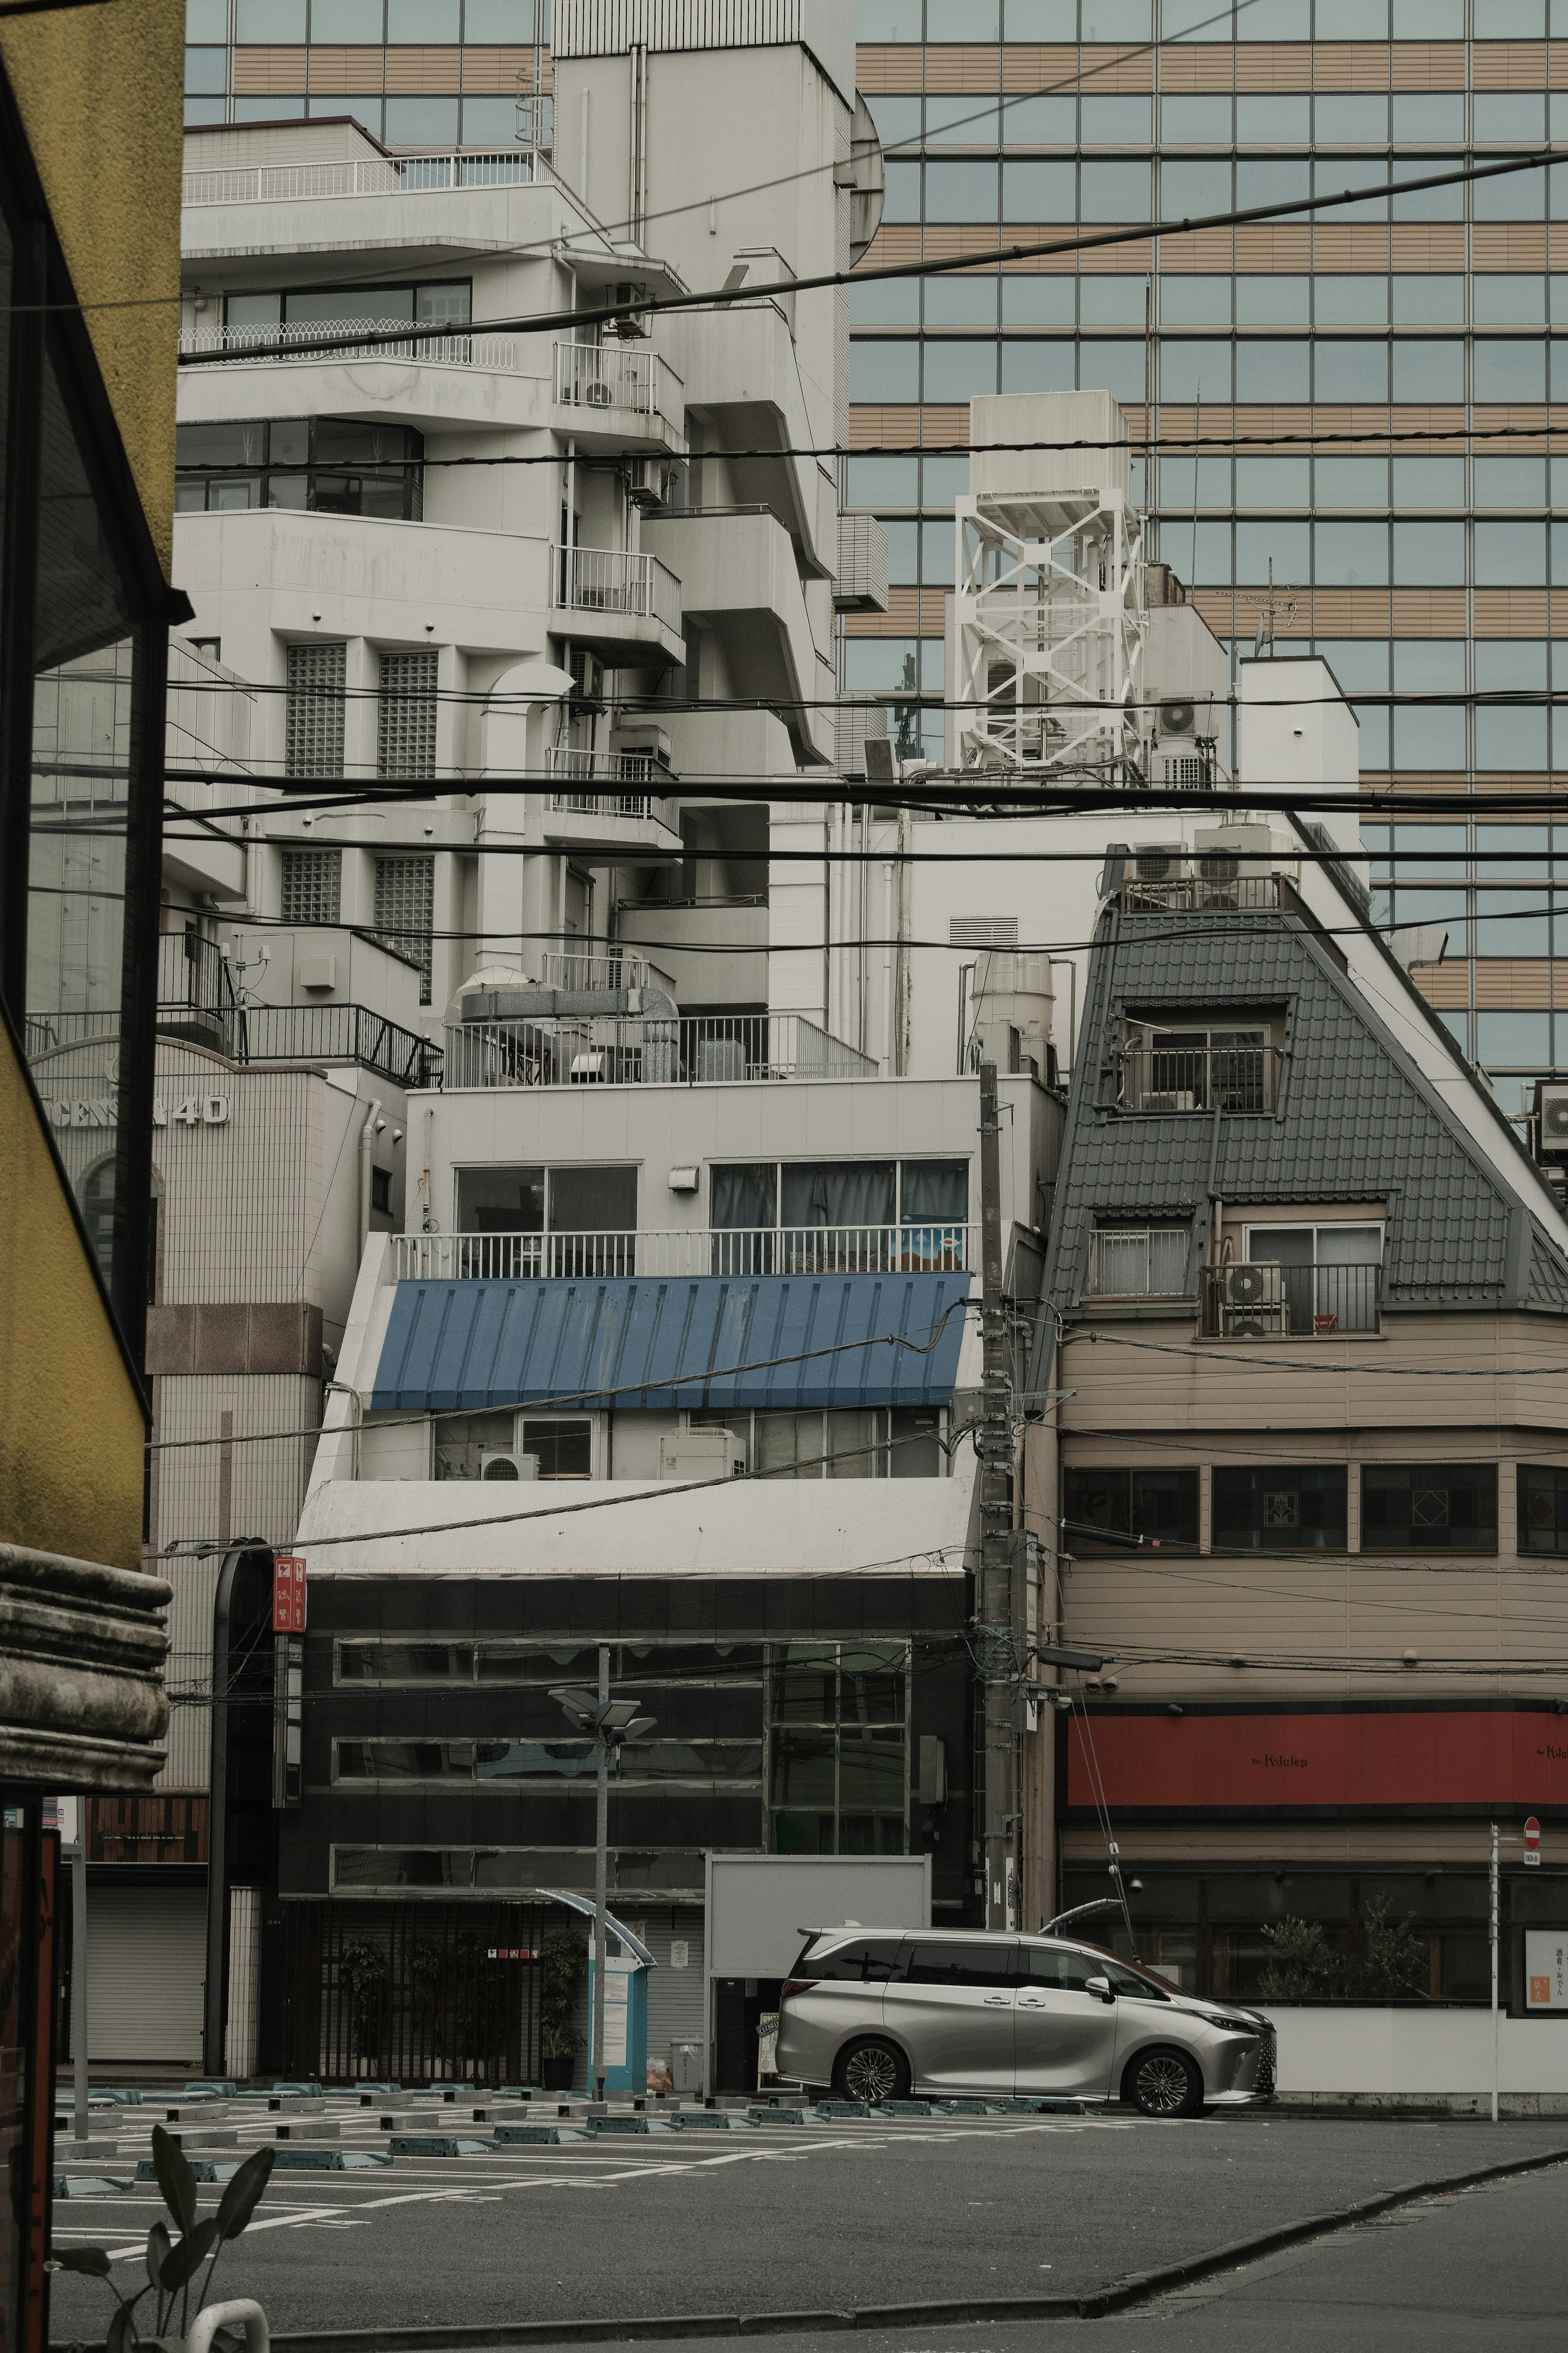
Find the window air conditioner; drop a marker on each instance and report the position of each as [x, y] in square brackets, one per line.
[1553, 1104]
[647, 483]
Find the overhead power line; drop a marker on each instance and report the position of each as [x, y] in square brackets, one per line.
[357, 344]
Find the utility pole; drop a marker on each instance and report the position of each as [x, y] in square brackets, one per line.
[78, 1974]
[995, 1648]
[1495, 1909]
[601, 1873]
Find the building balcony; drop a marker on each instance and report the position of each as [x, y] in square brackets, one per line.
[331, 1033]
[565, 968]
[617, 395]
[1199, 894]
[365, 175]
[1262, 1301]
[1220, 1078]
[739, 579]
[647, 1049]
[742, 372]
[603, 802]
[195, 993]
[703, 1250]
[617, 599]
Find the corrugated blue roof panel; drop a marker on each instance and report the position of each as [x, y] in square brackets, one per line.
[665, 1345]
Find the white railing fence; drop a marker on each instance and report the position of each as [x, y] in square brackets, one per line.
[647, 1049]
[565, 968]
[607, 375]
[615, 580]
[779, 1250]
[253, 184]
[254, 344]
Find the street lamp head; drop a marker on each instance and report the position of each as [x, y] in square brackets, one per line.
[640, 1728]
[619, 1713]
[580, 1705]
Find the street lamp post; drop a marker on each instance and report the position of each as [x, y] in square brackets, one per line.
[612, 1723]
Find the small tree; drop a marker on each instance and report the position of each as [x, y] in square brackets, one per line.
[1394, 1957]
[565, 1959]
[1304, 1968]
[362, 1975]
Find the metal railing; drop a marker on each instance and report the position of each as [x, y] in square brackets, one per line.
[1200, 894]
[1261, 1300]
[333, 1033]
[614, 580]
[647, 1049]
[1219, 1078]
[194, 982]
[805, 1249]
[251, 184]
[570, 760]
[610, 375]
[257, 346]
[591, 770]
[565, 968]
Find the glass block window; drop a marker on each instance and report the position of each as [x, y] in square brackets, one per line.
[312, 886]
[405, 910]
[838, 1749]
[313, 725]
[405, 726]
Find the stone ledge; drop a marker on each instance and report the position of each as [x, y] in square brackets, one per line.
[82, 1645]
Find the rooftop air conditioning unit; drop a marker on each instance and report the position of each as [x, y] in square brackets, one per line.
[587, 677]
[1178, 718]
[1554, 1109]
[630, 321]
[1248, 1285]
[701, 1454]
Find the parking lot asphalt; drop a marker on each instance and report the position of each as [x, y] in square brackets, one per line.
[1447, 2274]
[811, 2218]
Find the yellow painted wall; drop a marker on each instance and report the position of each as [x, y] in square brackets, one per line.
[101, 93]
[70, 1416]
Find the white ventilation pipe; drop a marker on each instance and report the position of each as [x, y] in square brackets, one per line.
[366, 1152]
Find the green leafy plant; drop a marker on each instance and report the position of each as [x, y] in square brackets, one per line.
[1394, 1957]
[172, 2262]
[1304, 1963]
[361, 1974]
[565, 1959]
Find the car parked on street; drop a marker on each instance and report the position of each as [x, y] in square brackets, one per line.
[877, 2014]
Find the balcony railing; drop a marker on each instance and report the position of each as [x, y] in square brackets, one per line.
[645, 1049]
[570, 760]
[1261, 1300]
[333, 1033]
[257, 346]
[195, 990]
[614, 580]
[611, 784]
[252, 184]
[564, 968]
[1219, 1078]
[1199, 894]
[611, 375]
[804, 1250]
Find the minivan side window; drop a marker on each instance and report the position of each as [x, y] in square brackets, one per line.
[865, 1960]
[1068, 1972]
[958, 1965]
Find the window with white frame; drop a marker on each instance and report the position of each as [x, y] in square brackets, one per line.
[1138, 1262]
[843, 1442]
[1329, 1275]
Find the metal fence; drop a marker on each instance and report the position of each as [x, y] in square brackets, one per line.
[412, 1992]
[1200, 893]
[331, 1033]
[609, 376]
[633, 1050]
[1261, 1300]
[361, 177]
[1219, 1077]
[770, 1250]
[459, 348]
[617, 580]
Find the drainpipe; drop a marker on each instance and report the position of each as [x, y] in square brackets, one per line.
[583, 151]
[214, 2022]
[367, 1147]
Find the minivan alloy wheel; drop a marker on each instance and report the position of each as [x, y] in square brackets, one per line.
[1163, 2085]
[872, 2072]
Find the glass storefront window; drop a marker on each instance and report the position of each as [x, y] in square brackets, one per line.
[838, 1749]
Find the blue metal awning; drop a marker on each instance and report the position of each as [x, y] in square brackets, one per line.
[675, 1343]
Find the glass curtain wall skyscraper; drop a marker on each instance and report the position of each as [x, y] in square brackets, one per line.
[1369, 392]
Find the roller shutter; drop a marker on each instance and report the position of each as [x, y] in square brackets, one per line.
[146, 1967]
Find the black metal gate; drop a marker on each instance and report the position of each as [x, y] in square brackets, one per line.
[412, 1993]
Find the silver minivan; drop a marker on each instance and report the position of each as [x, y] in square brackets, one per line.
[877, 2014]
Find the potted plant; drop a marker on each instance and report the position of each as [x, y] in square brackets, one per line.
[566, 1960]
[174, 2262]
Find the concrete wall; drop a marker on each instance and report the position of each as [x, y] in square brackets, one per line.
[99, 92]
[1395, 2054]
[70, 1464]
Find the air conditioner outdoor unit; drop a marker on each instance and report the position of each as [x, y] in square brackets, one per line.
[630, 321]
[1249, 1285]
[647, 483]
[1177, 718]
[502, 1462]
[1552, 1103]
[597, 393]
[701, 1454]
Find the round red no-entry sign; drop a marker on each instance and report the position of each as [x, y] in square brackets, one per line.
[1531, 1834]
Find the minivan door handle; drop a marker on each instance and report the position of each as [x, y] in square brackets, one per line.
[998, 2000]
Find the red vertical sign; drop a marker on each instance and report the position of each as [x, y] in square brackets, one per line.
[288, 1593]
